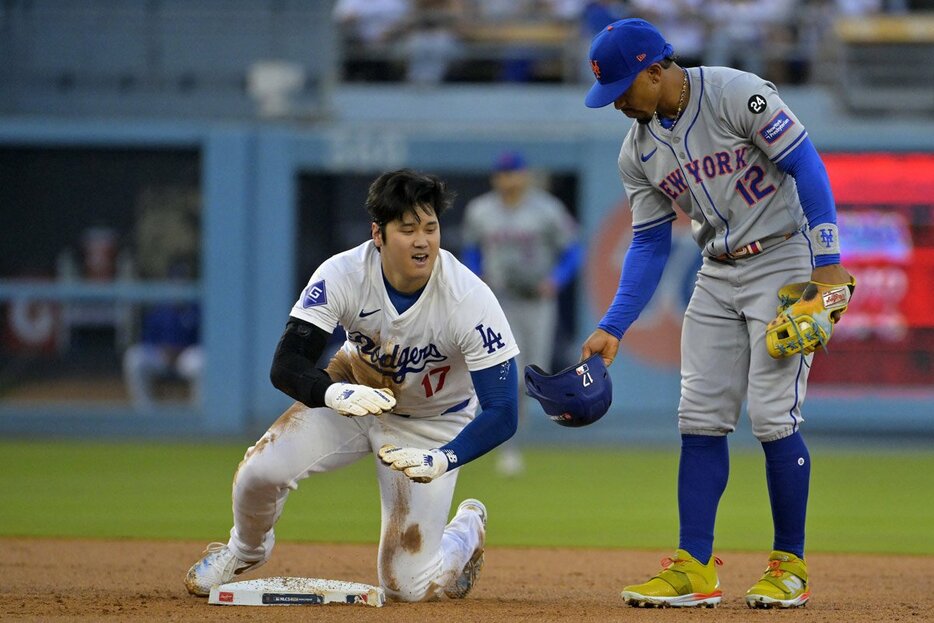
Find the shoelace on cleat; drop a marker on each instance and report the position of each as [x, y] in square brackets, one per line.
[668, 562]
[216, 546]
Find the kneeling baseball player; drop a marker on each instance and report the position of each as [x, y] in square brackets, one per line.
[426, 381]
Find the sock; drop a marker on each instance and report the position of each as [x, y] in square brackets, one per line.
[788, 473]
[702, 476]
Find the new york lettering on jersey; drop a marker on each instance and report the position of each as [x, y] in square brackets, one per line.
[705, 168]
[719, 163]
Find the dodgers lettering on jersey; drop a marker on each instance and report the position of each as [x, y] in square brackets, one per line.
[424, 355]
[718, 163]
[398, 363]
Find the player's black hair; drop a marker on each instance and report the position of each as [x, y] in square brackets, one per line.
[393, 194]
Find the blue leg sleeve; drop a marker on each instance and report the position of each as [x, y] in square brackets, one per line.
[702, 476]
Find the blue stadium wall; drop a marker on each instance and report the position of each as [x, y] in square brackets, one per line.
[249, 186]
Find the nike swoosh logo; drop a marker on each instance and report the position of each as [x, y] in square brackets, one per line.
[364, 314]
[651, 153]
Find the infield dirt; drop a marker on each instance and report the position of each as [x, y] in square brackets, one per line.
[91, 580]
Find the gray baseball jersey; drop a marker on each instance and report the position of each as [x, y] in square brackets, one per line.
[718, 165]
[520, 245]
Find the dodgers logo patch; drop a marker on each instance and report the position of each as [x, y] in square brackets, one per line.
[776, 127]
[492, 340]
[314, 295]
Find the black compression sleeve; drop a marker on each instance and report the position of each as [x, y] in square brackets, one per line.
[293, 366]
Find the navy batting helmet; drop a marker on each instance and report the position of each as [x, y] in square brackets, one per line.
[576, 396]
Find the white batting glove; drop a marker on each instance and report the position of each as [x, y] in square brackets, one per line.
[419, 465]
[350, 399]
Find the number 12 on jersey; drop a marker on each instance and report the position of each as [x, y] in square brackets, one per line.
[753, 179]
[439, 374]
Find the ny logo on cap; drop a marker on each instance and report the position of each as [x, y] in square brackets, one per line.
[596, 68]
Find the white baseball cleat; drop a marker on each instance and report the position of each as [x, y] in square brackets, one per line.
[218, 566]
[462, 584]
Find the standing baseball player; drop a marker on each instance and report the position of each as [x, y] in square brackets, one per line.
[523, 242]
[426, 380]
[722, 146]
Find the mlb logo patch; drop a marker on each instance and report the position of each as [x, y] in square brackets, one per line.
[314, 295]
[582, 369]
[776, 127]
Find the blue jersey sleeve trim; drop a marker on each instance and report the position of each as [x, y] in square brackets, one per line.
[655, 222]
[790, 147]
[642, 271]
[498, 391]
[472, 258]
[828, 259]
[804, 164]
[567, 265]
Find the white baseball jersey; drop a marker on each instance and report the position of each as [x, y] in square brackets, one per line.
[424, 355]
[718, 163]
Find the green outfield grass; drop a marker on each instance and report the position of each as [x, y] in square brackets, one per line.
[861, 501]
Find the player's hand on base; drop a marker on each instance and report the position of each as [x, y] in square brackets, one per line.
[350, 399]
[419, 465]
[600, 342]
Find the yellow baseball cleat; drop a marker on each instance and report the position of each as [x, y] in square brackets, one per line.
[784, 584]
[682, 583]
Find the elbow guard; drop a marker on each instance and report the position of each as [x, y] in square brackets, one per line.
[293, 367]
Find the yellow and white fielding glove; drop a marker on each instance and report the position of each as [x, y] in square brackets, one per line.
[807, 313]
[419, 465]
[350, 399]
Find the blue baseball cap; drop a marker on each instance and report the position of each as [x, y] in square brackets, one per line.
[617, 55]
[509, 161]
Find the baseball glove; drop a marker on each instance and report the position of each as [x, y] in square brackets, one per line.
[807, 313]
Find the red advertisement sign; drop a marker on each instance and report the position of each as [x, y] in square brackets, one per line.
[885, 212]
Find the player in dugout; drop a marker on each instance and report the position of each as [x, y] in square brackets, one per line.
[723, 147]
[426, 381]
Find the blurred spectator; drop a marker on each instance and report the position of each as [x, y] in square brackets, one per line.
[747, 34]
[169, 347]
[432, 43]
[518, 61]
[594, 17]
[597, 15]
[523, 242]
[367, 28]
[858, 8]
[682, 21]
